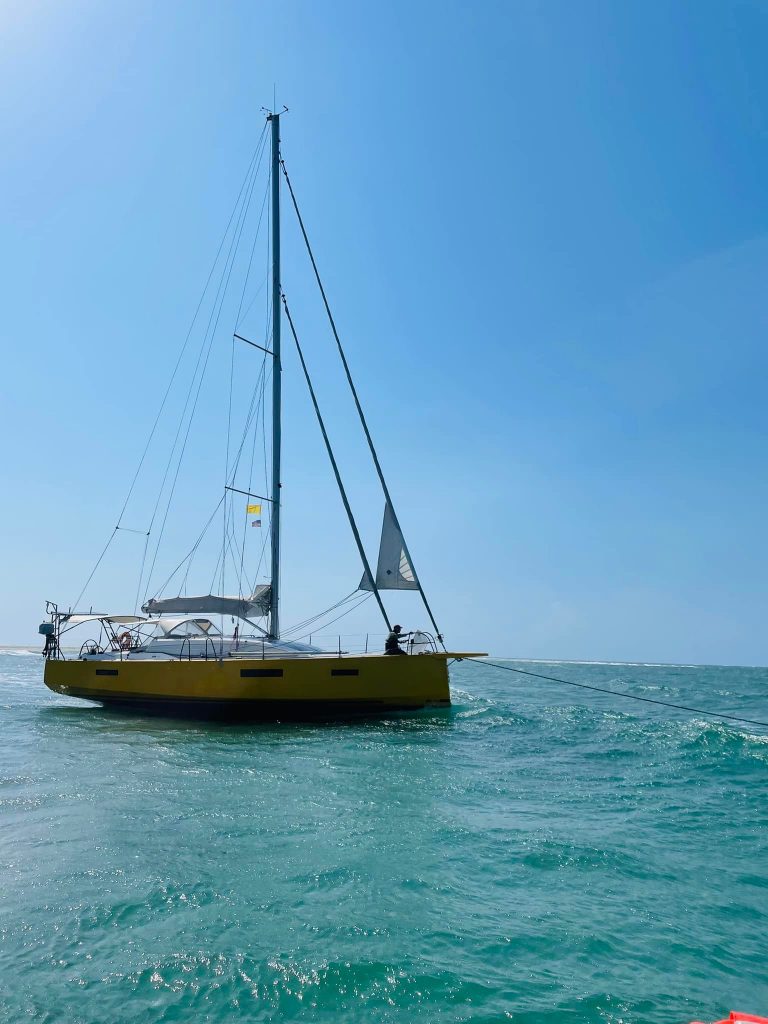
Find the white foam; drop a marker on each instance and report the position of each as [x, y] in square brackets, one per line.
[617, 664]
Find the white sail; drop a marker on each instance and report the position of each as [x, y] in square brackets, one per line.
[393, 571]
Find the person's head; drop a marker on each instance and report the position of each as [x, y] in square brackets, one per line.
[397, 629]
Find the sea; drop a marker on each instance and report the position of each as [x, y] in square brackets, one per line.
[536, 853]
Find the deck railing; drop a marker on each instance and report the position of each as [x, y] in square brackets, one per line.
[199, 648]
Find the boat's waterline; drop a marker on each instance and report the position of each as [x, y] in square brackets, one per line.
[326, 684]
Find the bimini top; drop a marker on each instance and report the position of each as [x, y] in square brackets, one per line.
[241, 607]
[72, 620]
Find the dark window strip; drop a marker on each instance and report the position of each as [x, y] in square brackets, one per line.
[345, 672]
[260, 673]
[106, 671]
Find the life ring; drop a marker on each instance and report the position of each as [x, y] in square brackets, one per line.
[125, 640]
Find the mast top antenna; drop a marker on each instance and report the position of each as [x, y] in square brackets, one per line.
[272, 113]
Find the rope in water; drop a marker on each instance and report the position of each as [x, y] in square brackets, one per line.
[618, 693]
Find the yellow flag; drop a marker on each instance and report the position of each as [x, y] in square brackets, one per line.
[254, 510]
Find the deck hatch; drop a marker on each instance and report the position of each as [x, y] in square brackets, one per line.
[106, 671]
[345, 671]
[261, 673]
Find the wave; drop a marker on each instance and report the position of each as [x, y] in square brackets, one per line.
[629, 664]
[615, 664]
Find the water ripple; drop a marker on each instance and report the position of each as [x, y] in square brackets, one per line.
[530, 855]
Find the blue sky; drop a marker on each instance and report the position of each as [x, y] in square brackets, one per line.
[543, 231]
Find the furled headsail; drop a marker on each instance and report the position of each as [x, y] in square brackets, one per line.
[393, 571]
[242, 607]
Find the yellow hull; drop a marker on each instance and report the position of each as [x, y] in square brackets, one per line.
[273, 688]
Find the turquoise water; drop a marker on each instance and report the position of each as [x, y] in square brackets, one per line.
[535, 854]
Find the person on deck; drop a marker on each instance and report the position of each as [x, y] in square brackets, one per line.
[392, 643]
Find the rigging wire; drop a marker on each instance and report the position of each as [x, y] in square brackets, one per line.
[231, 387]
[258, 148]
[239, 319]
[141, 573]
[268, 532]
[358, 406]
[339, 483]
[267, 475]
[96, 566]
[208, 339]
[617, 693]
[252, 418]
[190, 554]
[216, 571]
[237, 551]
[354, 607]
[262, 378]
[313, 618]
[269, 336]
[244, 195]
[231, 546]
[226, 460]
[257, 397]
[256, 294]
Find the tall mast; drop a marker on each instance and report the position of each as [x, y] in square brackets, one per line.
[274, 601]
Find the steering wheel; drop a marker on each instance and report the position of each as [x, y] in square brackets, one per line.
[89, 647]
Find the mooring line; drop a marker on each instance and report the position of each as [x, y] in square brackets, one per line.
[618, 693]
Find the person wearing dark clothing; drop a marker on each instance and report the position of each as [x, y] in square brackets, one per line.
[392, 643]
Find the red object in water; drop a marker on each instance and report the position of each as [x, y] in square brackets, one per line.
[739, 1018]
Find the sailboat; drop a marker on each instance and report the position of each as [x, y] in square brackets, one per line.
[177, 655]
